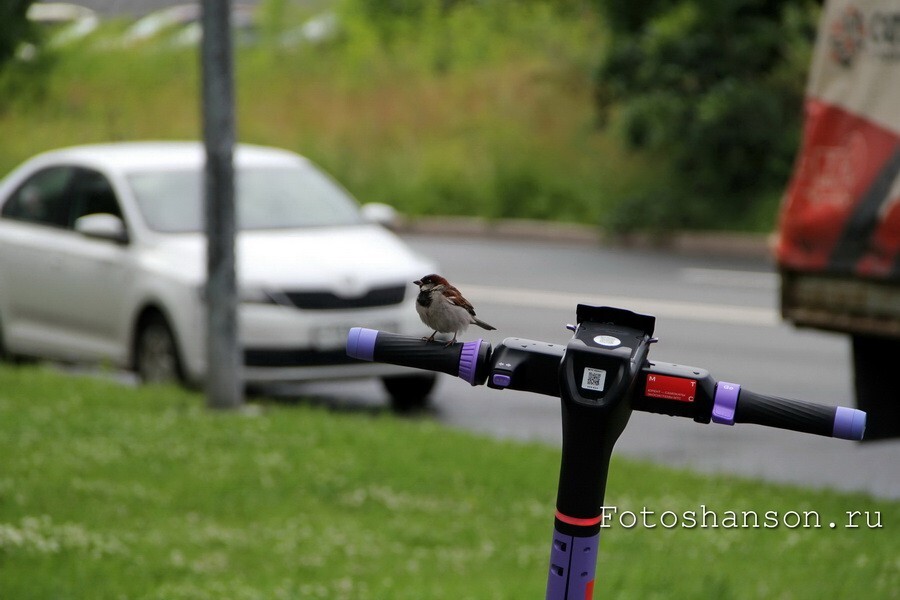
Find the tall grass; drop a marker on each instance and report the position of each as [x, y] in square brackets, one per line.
[486, 110]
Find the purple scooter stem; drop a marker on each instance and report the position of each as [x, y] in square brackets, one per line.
[573, 565]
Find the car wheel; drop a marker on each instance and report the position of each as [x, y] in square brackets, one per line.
[156, 356]
[4, 355]
[409, 392]
[8, 357]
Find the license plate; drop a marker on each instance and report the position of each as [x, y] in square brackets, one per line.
[329, 337]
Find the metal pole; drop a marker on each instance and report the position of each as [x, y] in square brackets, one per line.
[224, 388]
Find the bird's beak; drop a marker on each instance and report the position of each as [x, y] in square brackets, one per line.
[418, 282]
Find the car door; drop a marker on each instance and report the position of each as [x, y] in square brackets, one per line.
[66, 293]
[31, 221]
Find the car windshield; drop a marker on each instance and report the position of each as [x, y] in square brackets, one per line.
[266, 198]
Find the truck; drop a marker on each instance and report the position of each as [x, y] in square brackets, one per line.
[838, 241]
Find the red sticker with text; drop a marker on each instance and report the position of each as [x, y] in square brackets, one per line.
[671, 388]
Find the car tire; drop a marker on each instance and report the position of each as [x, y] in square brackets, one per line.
[4, 355]
[874, 361]
[409, 392]
[8, 357]
[156, 357]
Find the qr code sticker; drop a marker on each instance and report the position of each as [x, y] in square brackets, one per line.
[593, 379]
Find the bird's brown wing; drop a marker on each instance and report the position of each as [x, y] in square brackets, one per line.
[452, 294]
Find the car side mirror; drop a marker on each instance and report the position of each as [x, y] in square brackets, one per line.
[103, 226]
[381, 214]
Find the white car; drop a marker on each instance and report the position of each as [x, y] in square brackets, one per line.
[103, 259]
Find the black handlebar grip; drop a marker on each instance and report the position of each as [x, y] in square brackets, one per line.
[467, 360]
[736, 405]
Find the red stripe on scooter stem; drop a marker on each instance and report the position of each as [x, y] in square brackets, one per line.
[578, 522]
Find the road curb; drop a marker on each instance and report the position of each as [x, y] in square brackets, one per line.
[720, 243]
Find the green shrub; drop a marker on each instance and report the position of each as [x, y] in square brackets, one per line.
[15, 28]
[716, 88]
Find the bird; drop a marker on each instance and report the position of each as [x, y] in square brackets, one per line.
[443, 308]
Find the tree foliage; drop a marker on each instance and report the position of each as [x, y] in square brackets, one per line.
[22, 74]
[713, 89]
[14, 27]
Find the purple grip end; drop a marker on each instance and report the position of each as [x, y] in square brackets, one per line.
[849, 423]
[361, 343]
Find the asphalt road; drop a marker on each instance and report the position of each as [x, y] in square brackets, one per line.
[716, 313]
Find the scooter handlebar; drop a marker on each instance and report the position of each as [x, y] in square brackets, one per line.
[796, 415]
[683, 391]
[664, 388]
[464, 360]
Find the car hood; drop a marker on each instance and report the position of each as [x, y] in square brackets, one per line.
[350, 259]
[345, 260]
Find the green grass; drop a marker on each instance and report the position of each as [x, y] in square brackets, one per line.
[112, 492]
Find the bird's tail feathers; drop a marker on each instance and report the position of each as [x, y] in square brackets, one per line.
[482, 324]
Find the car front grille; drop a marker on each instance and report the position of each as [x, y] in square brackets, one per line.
[321, 300]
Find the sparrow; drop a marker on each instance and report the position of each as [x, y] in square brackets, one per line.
[444, 309]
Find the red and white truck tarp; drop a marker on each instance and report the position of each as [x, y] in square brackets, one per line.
[839, 235]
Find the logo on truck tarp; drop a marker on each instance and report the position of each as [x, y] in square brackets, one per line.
[851, 32]
[846, 36]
